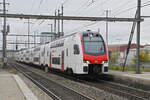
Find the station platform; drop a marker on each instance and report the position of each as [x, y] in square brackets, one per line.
[143, 75]
[132, 79]
[12, 87]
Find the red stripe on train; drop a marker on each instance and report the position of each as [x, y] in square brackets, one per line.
[39, 60]
[62, 65]
[50, 61]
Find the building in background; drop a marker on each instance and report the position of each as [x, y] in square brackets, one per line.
[47, 37]
[120, 51]
[147, 48]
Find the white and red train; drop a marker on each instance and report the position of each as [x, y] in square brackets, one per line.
[78, 53]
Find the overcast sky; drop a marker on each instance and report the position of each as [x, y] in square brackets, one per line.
[118, 31]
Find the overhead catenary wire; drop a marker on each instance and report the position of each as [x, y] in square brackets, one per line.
[40, 3]
[82, 6]
[88, 5]
[131, 8]
[122, 12]
[118, 8]
[64, 2]
[67, 1]
[33, 2]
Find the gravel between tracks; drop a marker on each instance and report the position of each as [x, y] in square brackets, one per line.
[41, 95]
[90, 91]
[35, 89]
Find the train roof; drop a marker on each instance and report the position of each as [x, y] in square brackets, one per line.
[82, 32]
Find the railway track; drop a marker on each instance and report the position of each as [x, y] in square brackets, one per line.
[129, 92]
[124, 91]
[111, 87]
[54, 90]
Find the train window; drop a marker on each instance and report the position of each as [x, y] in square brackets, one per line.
[47, 53]
[66, 52]
[43, 52]
[27, 59]
[36, 49]
[56, 60]
[36, 59]
[27, 51]
[93, 44]
[76, 49]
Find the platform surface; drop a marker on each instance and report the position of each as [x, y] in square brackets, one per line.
[9, 89]
[13, 88]
[143, 75]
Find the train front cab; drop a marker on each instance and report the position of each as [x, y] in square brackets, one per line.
[95, 59]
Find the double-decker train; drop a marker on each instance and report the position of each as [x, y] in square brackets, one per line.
[78, 53]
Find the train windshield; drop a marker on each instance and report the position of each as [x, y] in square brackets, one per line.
[93, 44]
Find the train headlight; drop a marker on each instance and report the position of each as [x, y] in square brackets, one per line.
[104, 62]
[87, 62]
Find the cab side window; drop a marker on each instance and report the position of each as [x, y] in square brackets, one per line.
[76, 49]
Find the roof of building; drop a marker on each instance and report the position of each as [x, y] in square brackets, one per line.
[122, 47]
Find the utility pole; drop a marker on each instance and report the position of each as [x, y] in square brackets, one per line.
[107, 12]
[16, 43]
[55, 22]
[138, 37]
[29, 32]
[34, 39]
[51, 25]
[98, 30]
[58, 23]
[62, 22]
[4, 36]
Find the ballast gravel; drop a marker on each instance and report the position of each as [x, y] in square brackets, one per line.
[90, 91]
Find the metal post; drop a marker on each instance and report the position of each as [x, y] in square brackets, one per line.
[58, 24]
[55, 23]
[138, 38]
[62, 22]
[28, 22]
[107, 27]
[34, 39]
[107, 32]
[51, 27]
[16, 44]
[4, 36]
[28, 32]
[98, 30]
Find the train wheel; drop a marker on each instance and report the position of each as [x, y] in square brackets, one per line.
[69, 71]
[46, 69]
[42, 67]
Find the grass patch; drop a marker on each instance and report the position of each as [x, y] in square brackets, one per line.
[13, 71]
[0, 62]
[127, 68]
